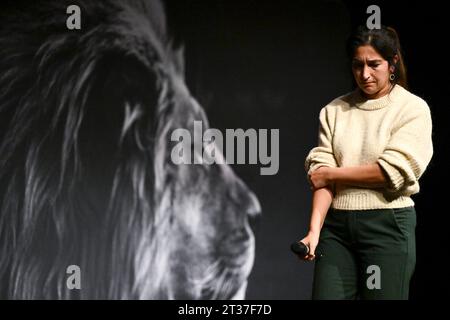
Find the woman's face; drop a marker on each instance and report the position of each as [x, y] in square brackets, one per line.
[371, 72]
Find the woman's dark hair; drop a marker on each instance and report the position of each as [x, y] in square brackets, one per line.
[386, 42]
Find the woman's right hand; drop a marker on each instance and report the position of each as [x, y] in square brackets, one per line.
[311, 240]
[321, 177]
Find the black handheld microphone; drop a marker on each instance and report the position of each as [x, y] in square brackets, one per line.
[302, 250]
[299, 248]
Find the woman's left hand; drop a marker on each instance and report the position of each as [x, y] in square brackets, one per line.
[320, 177]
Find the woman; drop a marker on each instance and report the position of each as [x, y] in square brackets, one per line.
[374, 145]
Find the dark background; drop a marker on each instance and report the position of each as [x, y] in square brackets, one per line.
[274, 65]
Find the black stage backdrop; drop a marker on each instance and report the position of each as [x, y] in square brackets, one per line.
[274, 64]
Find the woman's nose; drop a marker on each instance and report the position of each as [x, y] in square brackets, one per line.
[365, 73]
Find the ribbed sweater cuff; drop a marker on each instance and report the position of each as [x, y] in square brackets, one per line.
[316, 166]
[396, 180]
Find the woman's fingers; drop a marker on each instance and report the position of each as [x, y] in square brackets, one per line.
[317, 179]
[319, 184]
[310, 256]
[303, 258]
[312, 252]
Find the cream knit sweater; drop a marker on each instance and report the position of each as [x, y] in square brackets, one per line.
[394, 131]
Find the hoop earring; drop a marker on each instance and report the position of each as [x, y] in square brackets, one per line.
[392, 77]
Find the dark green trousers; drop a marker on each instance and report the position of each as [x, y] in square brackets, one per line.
[366, 254]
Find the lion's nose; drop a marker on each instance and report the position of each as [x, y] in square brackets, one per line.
[253, 208]
[250, 205]
[248, 201]
[253, 211]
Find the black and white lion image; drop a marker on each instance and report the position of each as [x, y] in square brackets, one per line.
[86, 177]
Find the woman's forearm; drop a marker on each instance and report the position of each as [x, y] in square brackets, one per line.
[366, 176]
[321, 202]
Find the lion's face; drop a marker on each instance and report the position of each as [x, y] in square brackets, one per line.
[86, 175]
[211, 243]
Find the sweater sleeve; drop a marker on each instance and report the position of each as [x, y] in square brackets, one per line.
[408, 151]
[322, 155]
